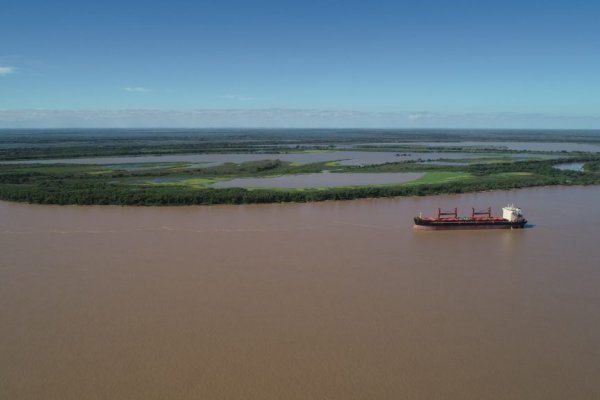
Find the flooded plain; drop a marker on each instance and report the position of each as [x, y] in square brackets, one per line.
[518, 146]
[332, 300]
[344, 157]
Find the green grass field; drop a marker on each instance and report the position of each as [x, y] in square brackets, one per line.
[440, 177]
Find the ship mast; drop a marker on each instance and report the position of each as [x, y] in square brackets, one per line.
[452, 213]
[487, 212]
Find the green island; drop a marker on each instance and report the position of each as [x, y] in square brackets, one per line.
[42, 167]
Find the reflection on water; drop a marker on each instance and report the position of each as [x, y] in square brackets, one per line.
[570, 167]
[335, 300]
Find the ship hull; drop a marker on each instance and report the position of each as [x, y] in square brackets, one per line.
[423, 224]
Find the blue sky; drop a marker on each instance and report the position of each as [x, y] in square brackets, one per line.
[428, 63]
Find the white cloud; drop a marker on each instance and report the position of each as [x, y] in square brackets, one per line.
[136, 89]
[7, 70]
[420, 115]
[236, 97]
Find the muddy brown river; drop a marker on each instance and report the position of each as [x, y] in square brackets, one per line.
[333, 300]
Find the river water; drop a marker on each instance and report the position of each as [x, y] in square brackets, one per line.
[332, 300]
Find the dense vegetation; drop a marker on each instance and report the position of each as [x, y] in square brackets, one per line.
[77, 184]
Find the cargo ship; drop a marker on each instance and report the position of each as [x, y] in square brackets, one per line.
[512, 217]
